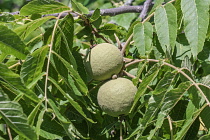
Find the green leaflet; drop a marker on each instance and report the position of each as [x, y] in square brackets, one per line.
[12, 113]
[143, 86]
[43, 7]
[166, 26]
[142, 35]
[11, 44]
[196, 21]
[170, 100]
[13, 82]
[25, 30]
[33, 65]
[71, 101]
[78, 7]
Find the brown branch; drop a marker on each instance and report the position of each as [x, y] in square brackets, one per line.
[103, 12]
[145, 9]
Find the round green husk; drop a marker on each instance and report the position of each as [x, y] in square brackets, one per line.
[103, 61]
[116, 96]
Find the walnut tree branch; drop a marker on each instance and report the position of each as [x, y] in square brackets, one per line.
[145, 9]
[103, 12]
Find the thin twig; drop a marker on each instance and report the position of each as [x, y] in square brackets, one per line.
[9, 133]
[126, 44]
[103, 12]
[118, 41]
[132, 76]
[121, 135]
[171, 127]
[178, 69]
[49, 55]
[146, 6]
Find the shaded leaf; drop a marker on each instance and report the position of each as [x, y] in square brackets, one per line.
[189, 122]
[74, 74]
[205, 137]
[71, 101]
[196, 20]
[12, 113]
[64, 40]
[155, 102]
[33, 65]
[142, 35]
[124, 20]
[42, 7]
[143, 87]
[13, 82]
[10, 43]
[170, 100]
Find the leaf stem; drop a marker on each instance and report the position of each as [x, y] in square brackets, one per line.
[171, 127]
[121, 135]
[49, 56]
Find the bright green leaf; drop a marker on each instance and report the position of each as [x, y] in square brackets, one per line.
[43, 7]
[143, 34]
[78, 7]
[25, 30]
[166, 26]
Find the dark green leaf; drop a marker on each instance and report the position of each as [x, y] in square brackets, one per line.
[71, 101]
[96, 15]
[33, 65]
[143, 87]
[12, 113]
[13, 82]
[170, 100]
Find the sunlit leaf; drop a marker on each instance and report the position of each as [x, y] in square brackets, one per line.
[25, 30]
[78, 7]
[143, 34]
[196, 20]
[43, 7]
[166, 26]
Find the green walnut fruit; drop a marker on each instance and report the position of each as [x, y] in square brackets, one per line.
[116, 96]
[103, 61]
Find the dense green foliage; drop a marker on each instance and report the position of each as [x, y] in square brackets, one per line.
[45, 92]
